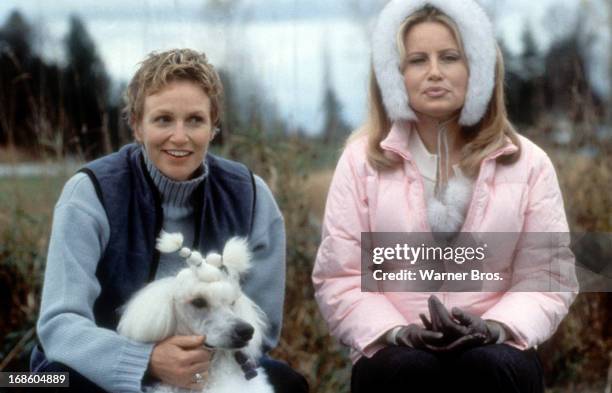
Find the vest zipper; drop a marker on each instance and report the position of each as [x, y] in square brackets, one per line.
[159, 219]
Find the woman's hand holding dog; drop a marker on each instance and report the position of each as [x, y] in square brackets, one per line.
[177, 359]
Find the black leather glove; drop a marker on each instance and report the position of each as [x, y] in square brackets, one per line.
[416, 337]
[442, 321]
[476, 325]
[460, 330]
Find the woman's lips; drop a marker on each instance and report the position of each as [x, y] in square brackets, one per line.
[177, 154]
[435, 92]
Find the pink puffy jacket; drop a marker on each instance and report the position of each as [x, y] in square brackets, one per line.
[522, 197]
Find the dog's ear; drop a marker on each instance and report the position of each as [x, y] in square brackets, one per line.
[149, 316]
[236, 256]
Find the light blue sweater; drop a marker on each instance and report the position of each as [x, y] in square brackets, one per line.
[79, 236]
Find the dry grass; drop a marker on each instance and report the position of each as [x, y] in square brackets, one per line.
[25, 215]
[12, 155]
[316, 187]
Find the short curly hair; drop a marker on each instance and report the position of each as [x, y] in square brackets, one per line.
[159, 69]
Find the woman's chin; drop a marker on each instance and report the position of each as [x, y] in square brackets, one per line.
[178, 174]
[437, 114]
[180, 169]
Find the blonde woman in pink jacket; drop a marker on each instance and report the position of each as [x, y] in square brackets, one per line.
[438, 154]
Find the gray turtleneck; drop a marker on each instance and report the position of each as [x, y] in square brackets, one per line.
[79, 236]
[178, 215]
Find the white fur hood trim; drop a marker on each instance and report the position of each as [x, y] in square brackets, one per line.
[448, 214]
[480, 48]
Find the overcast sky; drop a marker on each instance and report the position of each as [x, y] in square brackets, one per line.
[277, 43]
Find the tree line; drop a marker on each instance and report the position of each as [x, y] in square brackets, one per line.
[50, 107]
[71, 108]
[546, 88]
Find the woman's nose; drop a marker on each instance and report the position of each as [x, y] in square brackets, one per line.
[179, 134]
[434, 71]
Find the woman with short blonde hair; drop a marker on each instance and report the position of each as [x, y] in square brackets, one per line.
[106, 222]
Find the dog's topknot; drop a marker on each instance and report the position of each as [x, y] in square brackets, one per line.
[169, 242]
[235, 259]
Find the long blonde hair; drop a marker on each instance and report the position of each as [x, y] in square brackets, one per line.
[488, 135]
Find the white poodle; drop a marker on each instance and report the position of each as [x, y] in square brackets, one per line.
[204, 299]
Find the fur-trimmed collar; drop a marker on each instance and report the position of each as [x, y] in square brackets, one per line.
[447, 214]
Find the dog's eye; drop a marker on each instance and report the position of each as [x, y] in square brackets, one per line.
[199, 302]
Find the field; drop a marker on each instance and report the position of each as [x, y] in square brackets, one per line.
[576, 359]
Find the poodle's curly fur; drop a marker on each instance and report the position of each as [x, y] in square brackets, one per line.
[205, 299]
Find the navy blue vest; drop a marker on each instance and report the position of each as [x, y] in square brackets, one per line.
[224, 205]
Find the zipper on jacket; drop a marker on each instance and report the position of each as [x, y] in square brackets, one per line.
[478, 184]
[469, 215]
[198, 202]
[159, 219]
[424, 221]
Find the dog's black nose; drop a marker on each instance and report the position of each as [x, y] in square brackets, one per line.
[244, 331]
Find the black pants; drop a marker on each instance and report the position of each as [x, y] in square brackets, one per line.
[282, 377]
[495, 368]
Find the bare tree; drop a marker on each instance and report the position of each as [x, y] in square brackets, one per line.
[596, 30]
[335, 127]
[247, 107]
[609, 118]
